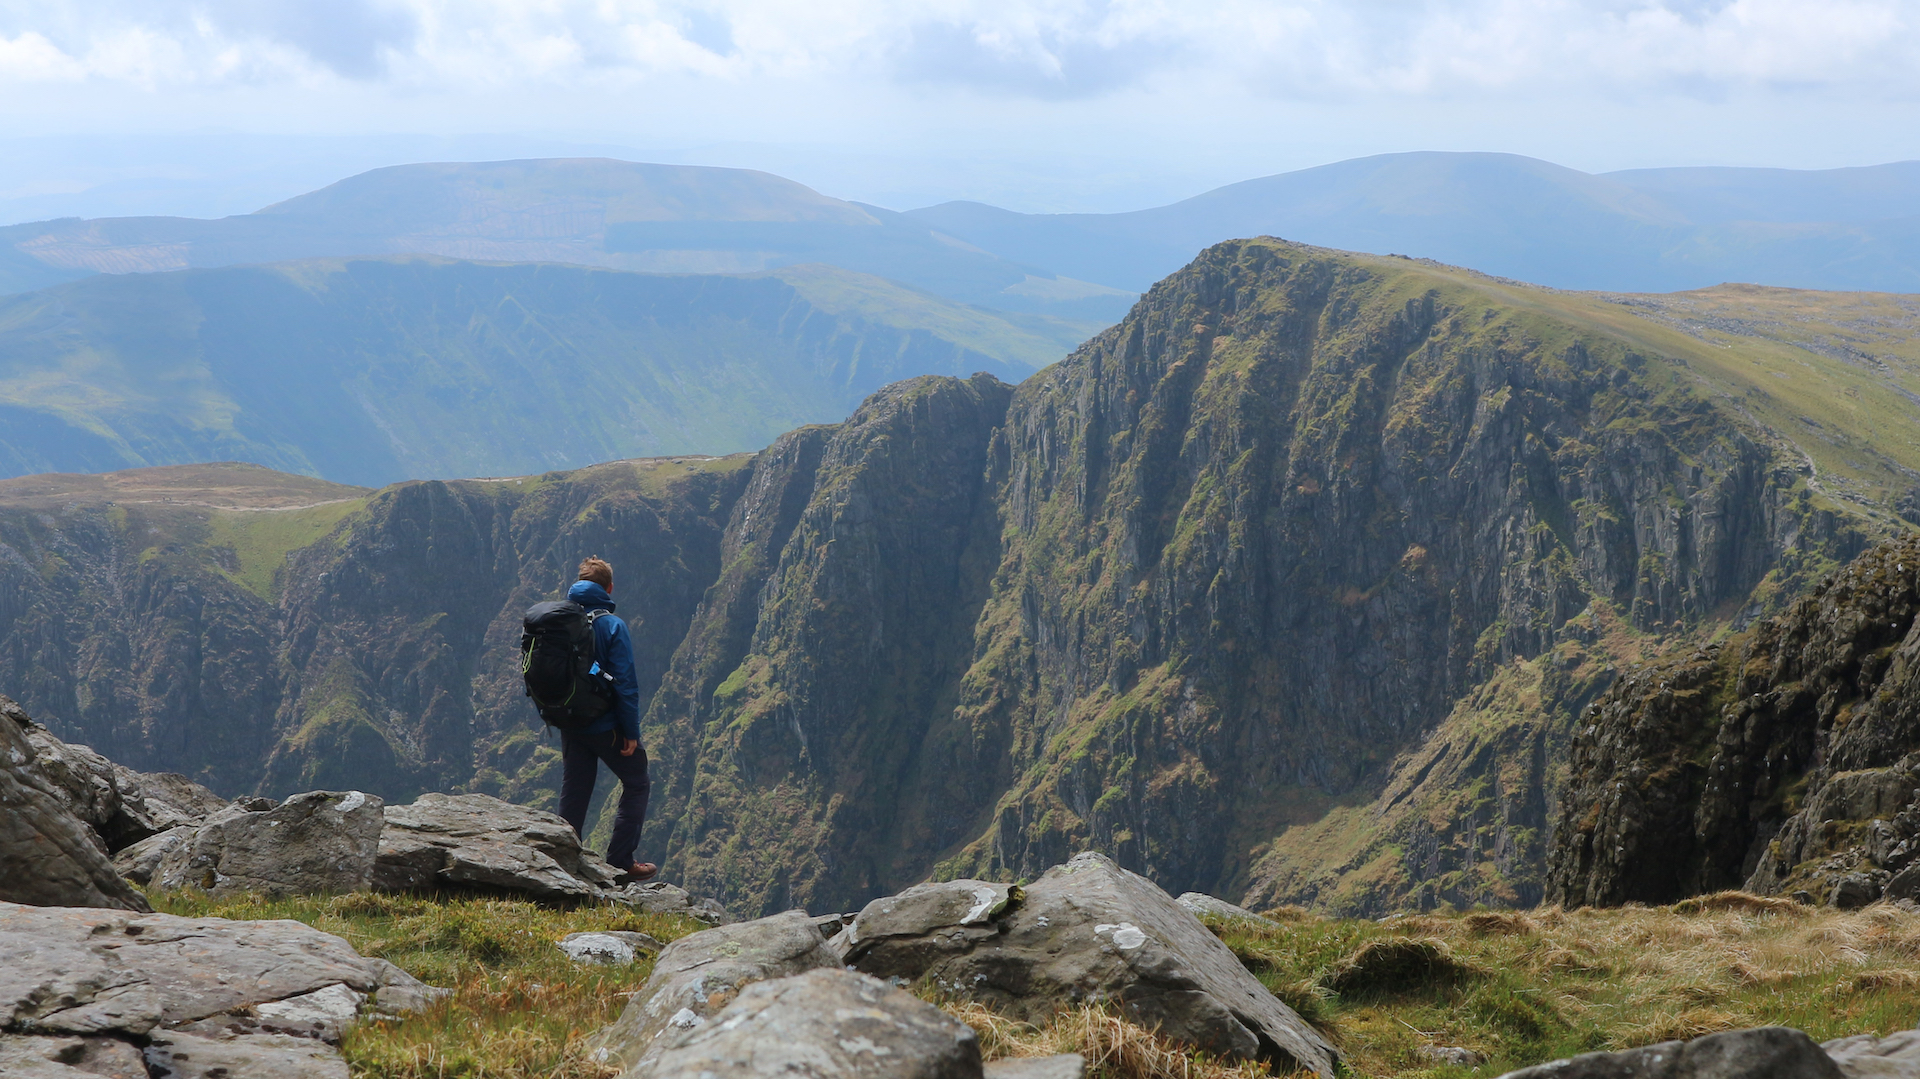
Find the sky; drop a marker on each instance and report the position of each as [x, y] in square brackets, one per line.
[220, 106]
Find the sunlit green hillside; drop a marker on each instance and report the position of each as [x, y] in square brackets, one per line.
[375, 370]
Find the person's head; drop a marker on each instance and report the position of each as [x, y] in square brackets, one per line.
[598, 571]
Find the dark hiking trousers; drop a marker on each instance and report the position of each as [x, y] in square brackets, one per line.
[581, 755]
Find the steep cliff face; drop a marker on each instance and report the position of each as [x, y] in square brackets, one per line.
[1292, 584]
[1783, 759]
[1263, 534]
[828, 763]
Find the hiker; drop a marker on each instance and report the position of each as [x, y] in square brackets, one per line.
[598, 714]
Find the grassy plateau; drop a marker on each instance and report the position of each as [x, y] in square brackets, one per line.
[1517, 988]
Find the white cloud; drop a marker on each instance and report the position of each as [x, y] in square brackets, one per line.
[1308, 49]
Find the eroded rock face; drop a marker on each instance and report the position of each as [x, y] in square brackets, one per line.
[1785, 760]
[317, 843]
[1085, 930]
[1759, 1053]
[48, 856]
[699, 974]
[122, 806]
[826, 1024]
[477, 842]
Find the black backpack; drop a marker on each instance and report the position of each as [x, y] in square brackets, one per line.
[556, 662]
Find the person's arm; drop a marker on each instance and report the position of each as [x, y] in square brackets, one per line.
[618, 657]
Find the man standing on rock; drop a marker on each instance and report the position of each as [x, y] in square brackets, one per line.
[615, 737]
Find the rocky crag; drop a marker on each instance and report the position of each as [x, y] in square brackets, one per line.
[1781, 760]
[1290, 584]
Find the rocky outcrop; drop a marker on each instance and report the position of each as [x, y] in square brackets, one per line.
[1784, 760]
[1760, 1053]
[317, 843]
[1087, 929]
[832, 1024]
[189, 996]
[700, 974]
[472, 842]
[48, 857]
[122, 806]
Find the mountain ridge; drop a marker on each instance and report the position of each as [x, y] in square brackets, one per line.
[975, 626]
[588, 211]
[1651, 230]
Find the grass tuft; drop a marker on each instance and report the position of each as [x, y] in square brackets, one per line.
[1398, 965]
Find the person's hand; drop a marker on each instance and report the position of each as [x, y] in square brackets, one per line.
[628, 745]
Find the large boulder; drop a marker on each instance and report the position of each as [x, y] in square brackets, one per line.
[48, 856]
[825, 1024]
[701, 973]
[93, 990]
[314, 843]
[1758, 1053]
[1863, 1056]
[58, 974]
[473, 842]
[1086, 930]
[122, 806]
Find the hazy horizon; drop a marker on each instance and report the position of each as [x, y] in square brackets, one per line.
[208, 109]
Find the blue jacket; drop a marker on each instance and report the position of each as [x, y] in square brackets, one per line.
[613, 648]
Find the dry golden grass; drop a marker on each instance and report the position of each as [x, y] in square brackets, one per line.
[1531, 986]
[1112, 1047]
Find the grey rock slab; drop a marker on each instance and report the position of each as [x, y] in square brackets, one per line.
[697, 975]
[659, 897]
[1457, 1055]
[1206, 906]
[1863, 1056]
[70, 970]
[40, 1057]
[1090, 930]
[1063, 1066]
[48, 856]
[477, 842]
[328, 1011]
[178, 1055]
[140, 861]
[902, 936]
[1757, 1053]
[608, 947]
[400, 992]
[824, 1024]
[320, 842]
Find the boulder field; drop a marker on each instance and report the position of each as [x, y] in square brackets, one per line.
[92, 984]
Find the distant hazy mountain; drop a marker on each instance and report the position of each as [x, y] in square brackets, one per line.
[1644, 230]
[597, 212]
[369, 371]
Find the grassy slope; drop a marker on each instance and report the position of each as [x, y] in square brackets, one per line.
[379, 370]
[1848, 362]
[1517, 988]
